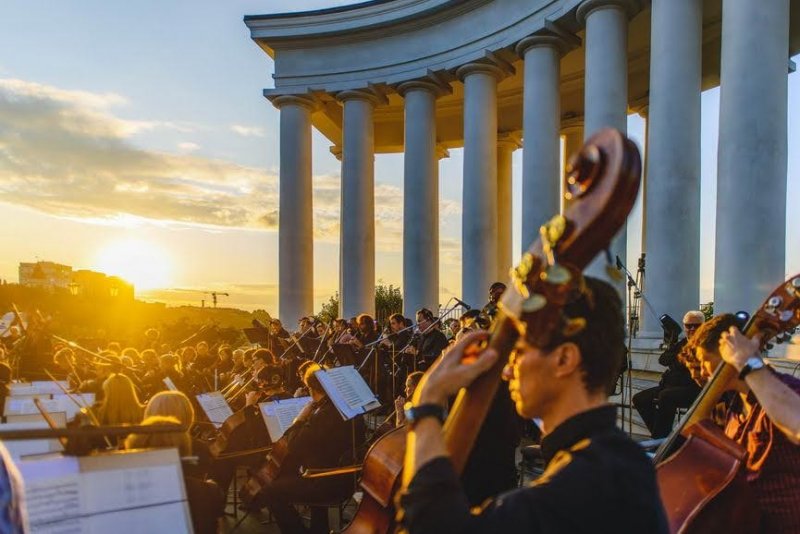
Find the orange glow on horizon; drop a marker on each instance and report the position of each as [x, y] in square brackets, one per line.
[139, 262]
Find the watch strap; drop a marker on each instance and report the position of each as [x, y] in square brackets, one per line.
[414, 414]
[753, 363]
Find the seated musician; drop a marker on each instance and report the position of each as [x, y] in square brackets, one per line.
[399, 336]
[318, 438]
[764, 418]
[412, 381]
[676, 389]
[496, 291]
[597, 479]
[120, 404]
[206, 500]
[367, 331]
[430, 341]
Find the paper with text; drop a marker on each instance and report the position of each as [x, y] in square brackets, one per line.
[215, 407]
[280, 414]
[348, 391]
[124, 493]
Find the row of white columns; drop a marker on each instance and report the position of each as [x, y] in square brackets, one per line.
[752, 162]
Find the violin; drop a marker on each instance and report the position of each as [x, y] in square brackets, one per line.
[717, 498]
[603, 179]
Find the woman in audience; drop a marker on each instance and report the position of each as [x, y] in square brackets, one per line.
[206, 502]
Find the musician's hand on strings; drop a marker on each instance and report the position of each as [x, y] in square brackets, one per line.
[736, 348]
[457, 368]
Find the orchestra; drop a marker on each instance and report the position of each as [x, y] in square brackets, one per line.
[452, 400]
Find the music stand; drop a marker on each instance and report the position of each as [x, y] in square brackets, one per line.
[256, 336]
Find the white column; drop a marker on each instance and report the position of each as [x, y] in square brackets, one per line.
[295, 228]
[672, 198]
[606, 91]
[358, 204]
[541, 121]
[420, 198]
[751, 176]
[479, 220]
[507, 143]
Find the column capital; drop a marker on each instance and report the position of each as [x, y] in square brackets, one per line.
[631, 7]
[552, 36]
[431, 84]
[307, 101]
[370, 95]
[510, 140]
[491, 65]
[442, 152]
[336, 151]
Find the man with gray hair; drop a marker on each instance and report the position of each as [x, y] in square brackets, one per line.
[676, 389]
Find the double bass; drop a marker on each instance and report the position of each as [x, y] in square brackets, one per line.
[702, 482]
[603, 181]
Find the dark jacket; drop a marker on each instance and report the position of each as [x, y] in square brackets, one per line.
[597, 481]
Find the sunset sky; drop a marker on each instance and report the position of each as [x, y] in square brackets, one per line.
[134, 139]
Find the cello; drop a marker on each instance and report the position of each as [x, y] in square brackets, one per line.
[717, 497]
[603, 180]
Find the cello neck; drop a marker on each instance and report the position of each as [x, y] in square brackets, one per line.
[471, 406]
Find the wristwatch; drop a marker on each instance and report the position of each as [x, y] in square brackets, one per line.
[753, 363]
[414, 414]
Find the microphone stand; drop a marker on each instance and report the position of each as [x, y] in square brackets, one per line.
[635, 298]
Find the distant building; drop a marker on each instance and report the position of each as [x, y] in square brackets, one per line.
[45, 274]
[49, 275]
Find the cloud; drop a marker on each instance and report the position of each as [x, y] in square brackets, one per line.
[63, 152]
[188, 147]
[248, 131]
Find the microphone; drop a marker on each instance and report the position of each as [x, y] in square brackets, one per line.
[462, 303]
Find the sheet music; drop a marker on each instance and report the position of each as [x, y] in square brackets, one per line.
[348, 391]
[25, 406]
[48, 386]
[215, 407]
[86, 399]
[18, 448]
[122, 493]
[52, 494]
[280, 414]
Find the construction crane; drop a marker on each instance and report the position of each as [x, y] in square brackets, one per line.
[214, 295]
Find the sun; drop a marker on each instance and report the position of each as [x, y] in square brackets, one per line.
[141, 263]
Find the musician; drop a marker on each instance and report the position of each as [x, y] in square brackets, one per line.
[398, 337]
[496, 291]
[452, 327]
[120, 405]
[597, 479]
[430, 342]
[206, 500]
[676, 389]
[764, 418]
[318, 438]
[412, 381]
[367, 331]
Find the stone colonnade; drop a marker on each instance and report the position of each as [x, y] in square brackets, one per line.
[752, 161]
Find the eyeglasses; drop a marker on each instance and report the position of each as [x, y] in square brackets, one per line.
[691, 326]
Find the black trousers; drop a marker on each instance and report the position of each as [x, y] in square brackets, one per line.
[286, 491]
[657, 406]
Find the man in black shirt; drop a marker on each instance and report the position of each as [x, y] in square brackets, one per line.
[676, 389]
[597, 480]
[496, 291]
[430, 342]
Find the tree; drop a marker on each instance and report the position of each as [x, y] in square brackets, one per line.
[388, 300]
[330, 309]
